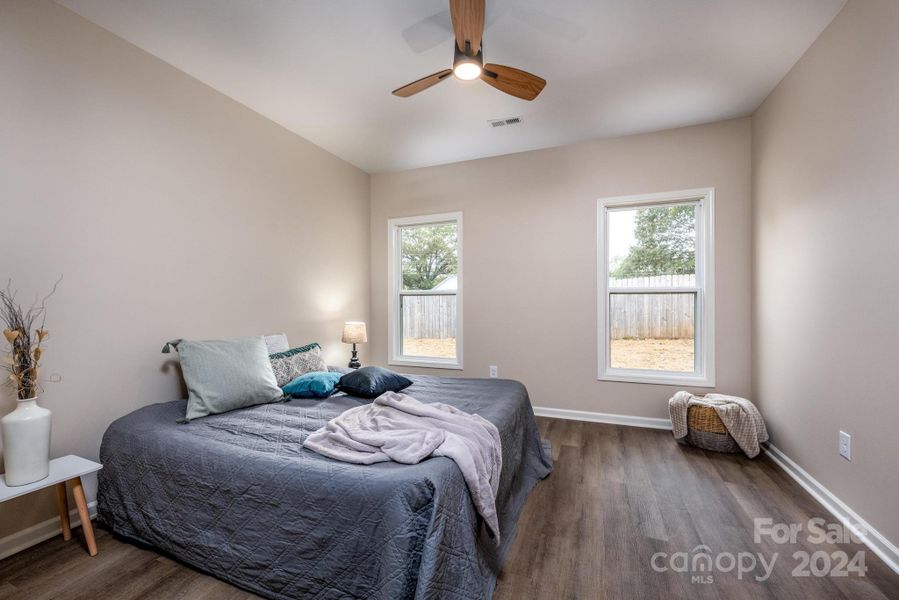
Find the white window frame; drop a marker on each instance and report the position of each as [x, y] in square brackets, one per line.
[704, 323]
[395, 291]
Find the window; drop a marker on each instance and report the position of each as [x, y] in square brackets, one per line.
[656, 288]
[425, 282]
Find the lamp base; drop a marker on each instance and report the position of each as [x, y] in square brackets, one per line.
[354, 361]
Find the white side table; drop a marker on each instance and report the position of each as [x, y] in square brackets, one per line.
[62, 470]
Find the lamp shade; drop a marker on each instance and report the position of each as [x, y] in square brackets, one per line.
[354, 332]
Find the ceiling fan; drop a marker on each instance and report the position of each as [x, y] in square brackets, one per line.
[468, 62]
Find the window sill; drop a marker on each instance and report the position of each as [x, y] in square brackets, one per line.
[657, 378]
[424, 362]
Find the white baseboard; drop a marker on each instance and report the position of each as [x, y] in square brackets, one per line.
[873, 539]
[595, 417]
[42, 531]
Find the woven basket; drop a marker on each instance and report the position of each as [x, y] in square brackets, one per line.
[705, 430]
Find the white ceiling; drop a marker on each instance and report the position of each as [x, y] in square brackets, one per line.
[325, 68]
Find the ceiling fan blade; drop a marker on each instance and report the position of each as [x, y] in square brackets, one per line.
[516, 82]
[422, 84]
[468, 22]
[432, 31]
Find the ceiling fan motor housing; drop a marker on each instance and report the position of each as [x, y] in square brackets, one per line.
[468, 57]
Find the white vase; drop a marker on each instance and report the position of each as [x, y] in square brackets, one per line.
[26, 443]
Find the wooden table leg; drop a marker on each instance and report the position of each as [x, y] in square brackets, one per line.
[63, 503]
[78, 492]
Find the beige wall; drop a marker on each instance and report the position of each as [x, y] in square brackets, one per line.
[171, 211]
[530, 256]
[826, 175]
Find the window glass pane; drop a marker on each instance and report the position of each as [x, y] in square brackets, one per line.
[428, 326]
[429, 257]
[652, 331]
[652, 247]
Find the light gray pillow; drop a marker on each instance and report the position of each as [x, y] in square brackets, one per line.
[226, 375]
[277, 343]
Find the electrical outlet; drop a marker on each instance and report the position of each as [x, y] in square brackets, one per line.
[494, 371]
[845, 445]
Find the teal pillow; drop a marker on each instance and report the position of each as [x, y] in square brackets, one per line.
[317, 384]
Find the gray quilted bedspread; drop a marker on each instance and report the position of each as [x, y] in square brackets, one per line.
[236, 495]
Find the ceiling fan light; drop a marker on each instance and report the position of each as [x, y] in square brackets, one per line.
[467, 71]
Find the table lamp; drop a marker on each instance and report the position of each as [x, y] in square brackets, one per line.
[354, 333]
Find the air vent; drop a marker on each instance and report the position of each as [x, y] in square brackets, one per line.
[504, 122]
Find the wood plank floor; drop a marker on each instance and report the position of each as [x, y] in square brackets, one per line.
[618, 495]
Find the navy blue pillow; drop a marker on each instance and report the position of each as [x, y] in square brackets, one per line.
[371, 382]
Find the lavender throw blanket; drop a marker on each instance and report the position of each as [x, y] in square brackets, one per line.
[398, 427]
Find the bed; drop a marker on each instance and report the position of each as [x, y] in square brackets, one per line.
[236, 495]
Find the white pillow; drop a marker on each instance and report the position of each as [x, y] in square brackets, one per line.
[276, 343]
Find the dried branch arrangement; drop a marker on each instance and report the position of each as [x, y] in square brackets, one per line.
[25, 333]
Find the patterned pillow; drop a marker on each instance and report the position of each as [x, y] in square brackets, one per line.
[297, 361]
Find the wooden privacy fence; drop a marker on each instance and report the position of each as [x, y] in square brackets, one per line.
[429, 317]
[632, 316]
[641, 316]
[683, 281]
